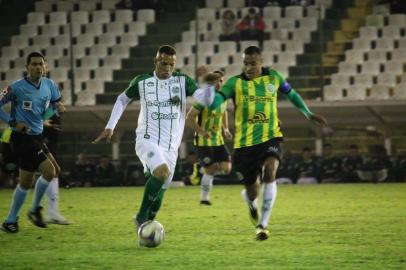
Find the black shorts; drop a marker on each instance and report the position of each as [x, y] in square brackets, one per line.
[248, 161]
[9, 159]
[28, 150]
[209, 155]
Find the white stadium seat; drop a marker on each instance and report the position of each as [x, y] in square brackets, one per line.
[124, 15]
[59, 17]
[81, 17]
[146, 15]
[36, 18]
[379, 92]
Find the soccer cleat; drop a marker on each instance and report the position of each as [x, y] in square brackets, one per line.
[58, 219]
[261, 233]
[204, 202]
[253, 211]
[36, 218]
[10, 227]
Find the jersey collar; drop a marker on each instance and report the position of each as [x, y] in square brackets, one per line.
[156, 77]
[28, 81]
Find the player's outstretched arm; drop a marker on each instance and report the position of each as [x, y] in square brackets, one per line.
[118, 109]
[299, 103]
[191, 121]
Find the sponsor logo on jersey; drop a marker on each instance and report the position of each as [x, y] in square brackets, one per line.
[150, 154]
[271, 88]
[146, 136]
[167, 103]
[5, 92]
[257, 99]
[150, 84]
[175, 89]
[258, 118]
[156, 115]
[206, 160]
[27, 105]
[273, 149]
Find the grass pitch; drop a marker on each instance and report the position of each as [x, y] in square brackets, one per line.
[312, 227]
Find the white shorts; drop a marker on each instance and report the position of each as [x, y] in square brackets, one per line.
[152, 156]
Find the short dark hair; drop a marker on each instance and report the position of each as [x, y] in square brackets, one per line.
[252, 50]
[166, 49]
[219, 72]
[34, 54]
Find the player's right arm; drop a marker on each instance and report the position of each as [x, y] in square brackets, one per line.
[132, 92]
[226, 92]
[191, 120]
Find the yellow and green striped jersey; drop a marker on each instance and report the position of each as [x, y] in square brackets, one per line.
[212, 122]
[256, 113]
[5, 136]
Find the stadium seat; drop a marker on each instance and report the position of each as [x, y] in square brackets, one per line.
[95, 86]
[81, 17]
[43, 6]
[50, 30]
[384, 44]
[377, 56]
[121, 50]
[354, 92]
[206, 14]
[64, 6]
[272, 12]
[19, 63]
[374, 20]
[76, 29]
[340, 79]
[368, 32]
[379, 92]
[79, 51]
[388, 79]
[367, 80]
[28, 30]
[85, 40]
[184, 49]
[54, 52]
[124, 15]
[64, 62]
[109, 4]
[87, 5]
[294, 46]
[36, 18]
[236, 3]
[332, 93]
[391, 32]
[59, 74]
[187, 36]
[94, 29]
[13, 74]
[301, 35]
[112, 61]
[81, 74]
[4, 65]
[98, 50]
[116, 28]
[41, 41]
[347, 68]
[361, 44]
[288, 58]
[129, 39]
[401, 43]
[221, 60]
[282, 68]
[286, 23]
[146, 15]
[370, 68]
[58, 18]
[89, 62]
[101, 16]
[268, 58]
[244, 11]
[203, 25]
[354, 56]
[395, 66]
[381, 9]
[247, 43]
[279, 34]
[104, 73]
[214, 3]
[205, 47]
[227, 47]
[107, 39]
[397, 19]
[138, 28]
[399, 54]
[403, 78]
[20, 41]
[62, 40]
[295, 12]
[233, 70]
[188, 70]
[399, 91]
[316, 11]
[272, 45]
[309, 23]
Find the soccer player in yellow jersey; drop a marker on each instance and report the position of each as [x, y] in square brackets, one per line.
[257, 138]
[209, 126]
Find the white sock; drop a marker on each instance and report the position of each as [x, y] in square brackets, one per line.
[53, 196]
[268, 200]
[207, 184]
[251, 204]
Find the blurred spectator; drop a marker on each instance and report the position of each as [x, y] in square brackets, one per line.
[330, 166]
[84, 171]
[106, 173]
[307, 169]
[252, 26]
[351, 164]
[229, 27]
[286, 170]
[377, 167]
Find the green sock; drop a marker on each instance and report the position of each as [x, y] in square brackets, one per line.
[152, 188]
[156, 204]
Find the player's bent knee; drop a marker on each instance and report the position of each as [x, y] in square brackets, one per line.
[162, 172]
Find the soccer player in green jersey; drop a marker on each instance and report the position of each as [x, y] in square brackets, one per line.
[209, 126]
[258, 137]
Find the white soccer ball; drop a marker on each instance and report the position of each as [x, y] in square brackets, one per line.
[151, 234]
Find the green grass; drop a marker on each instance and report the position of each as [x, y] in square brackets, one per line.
[313, 227]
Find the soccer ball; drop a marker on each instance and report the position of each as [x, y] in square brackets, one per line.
[151, 234]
